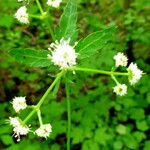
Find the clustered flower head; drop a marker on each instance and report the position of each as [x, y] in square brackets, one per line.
[120, 89]
[63, 54]
[44, 130]
[120, 60]
[18, 127]
[54, 3]
[134, 73]
[19, 103]
[22, 15]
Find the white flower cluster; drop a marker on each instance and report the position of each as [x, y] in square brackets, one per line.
[120, 89]
[21, 15]
[18, 127]
[44, 130]
[54, 3]
[63, 54]
[120, 60]
[19, 103]
[134, 73]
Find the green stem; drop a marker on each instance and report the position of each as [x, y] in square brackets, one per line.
[99, 71]
[116, 81]
[39, 117]
[44, 97]
[69, 114]
[50, 29]
[40, 7]
[43, 16]
[36, 16]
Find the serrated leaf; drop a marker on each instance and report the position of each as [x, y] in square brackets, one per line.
[31, 57]
[67, 25]
[93, 42]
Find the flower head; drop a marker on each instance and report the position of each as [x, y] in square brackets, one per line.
[22, 15]
[44, 130]
[54, 3]
[63, 54]
[120, 89]
[19, 103]
[120, 60]
[134, 73]
[20, 130]
[18, 127]
[14, 121]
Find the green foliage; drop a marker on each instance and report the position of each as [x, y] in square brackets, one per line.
[31, 57]
[67, 25]
[100, 120]
[95, 41]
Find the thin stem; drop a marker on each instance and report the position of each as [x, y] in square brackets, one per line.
[39, 117]
[99, 71]
[50, 29]
[69, 114]
[44, 15]
[36, 16]
[44, 96]
[50, 88]
[40, 7]
[116, 81]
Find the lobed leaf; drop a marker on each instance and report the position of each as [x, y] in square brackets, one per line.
[93, 42]
[67, 25]
[31, 57]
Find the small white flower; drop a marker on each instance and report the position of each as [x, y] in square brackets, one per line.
[134, 73]
[14, 121]
[44, 130]
[120, 60]
[54, 3]
[120, 89]
[20, 130]
[22, 15]
[19, 103]
[63, 54]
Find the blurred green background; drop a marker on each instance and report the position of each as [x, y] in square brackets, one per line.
[100, 119]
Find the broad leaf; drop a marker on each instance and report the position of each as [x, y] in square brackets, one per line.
[67, 25]
[31, 57]
[93, 42]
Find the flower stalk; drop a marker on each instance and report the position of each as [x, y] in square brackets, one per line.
[37, 107]
[98, 71]
[69, 114]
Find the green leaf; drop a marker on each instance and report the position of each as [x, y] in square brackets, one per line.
[117, 145]
[137, 113]
[31, 57]
[7, 139]
[95, 41]
[147, 145]
[67, 25]
[142, 125]
[130, 142]
[139, 136]
[121, 129]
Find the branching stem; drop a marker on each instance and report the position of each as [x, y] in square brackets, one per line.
[99, 71]
[40, 7]
[37, 107]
